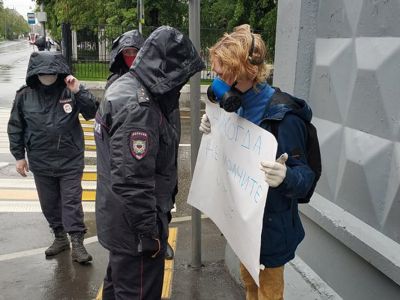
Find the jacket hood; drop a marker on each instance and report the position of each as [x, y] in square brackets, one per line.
[46, 62]
[282, 103]
[131, 38]
[166, 61]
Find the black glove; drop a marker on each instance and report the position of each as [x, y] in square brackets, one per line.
[149, 246]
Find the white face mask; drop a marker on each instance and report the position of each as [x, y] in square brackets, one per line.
[47, 79]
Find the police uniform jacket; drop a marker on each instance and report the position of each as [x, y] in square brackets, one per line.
[137, 137]
[44, 119]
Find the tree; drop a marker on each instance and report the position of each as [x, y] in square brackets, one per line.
[12, 24]
[217, 16]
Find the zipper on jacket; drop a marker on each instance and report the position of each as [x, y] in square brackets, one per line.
[59, 140]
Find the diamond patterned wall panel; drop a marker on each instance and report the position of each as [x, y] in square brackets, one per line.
[362, 183]
[355, 95]
[372, 108]
[332, 78]
[390, 221]
[333, 21]
[379, 18]
[330, 139]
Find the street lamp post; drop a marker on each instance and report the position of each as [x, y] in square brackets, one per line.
[194, 34]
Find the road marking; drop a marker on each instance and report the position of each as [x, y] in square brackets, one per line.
[36, 251]
[89, 176]
[31, 194]
[29, 183]
[22, 206]
[169, 265]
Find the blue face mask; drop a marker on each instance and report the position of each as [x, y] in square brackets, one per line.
[228, 97]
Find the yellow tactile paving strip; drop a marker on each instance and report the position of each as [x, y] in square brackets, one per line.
[87, 129]
[90, 148]
[89, 176]
[30, 194]
[14, 194]
[168, 270]
[169, 265]
[89, 137]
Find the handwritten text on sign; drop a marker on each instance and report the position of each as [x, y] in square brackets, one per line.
[228, 184]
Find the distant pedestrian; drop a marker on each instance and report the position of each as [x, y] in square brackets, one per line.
[137, 135]
[123, 53]
[40, 43]
[44, 124]
[238, 59]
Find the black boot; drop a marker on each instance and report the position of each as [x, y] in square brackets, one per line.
[60, 243]
[169, 253]
[79, 253]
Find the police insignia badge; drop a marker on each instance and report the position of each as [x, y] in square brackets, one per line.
[67, 108]
[138, 144]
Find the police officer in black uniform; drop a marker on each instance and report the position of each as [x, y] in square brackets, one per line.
[123, 52]
[44, 124]
[137, 134]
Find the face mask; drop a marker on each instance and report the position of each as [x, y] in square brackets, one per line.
[228, 97]
[48, 79]
[129, 60]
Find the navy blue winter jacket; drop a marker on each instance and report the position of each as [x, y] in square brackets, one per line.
[282, 230]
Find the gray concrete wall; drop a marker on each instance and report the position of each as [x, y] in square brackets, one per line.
[343, 56]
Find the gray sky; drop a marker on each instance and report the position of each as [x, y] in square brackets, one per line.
[21, 6]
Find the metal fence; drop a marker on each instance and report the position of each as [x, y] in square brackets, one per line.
[90, 49]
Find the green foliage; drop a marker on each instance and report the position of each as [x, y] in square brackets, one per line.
[12, 24]
[217, 16]
[91, 70]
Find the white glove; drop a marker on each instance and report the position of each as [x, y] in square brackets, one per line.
[205, 126]
[275, 171]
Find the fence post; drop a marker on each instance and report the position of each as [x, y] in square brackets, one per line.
[66, 43]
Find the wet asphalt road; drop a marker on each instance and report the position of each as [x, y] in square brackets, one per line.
[14, 57]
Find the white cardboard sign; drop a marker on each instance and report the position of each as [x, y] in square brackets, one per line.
[228, 185]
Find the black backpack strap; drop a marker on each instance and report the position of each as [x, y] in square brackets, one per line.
[279, 98]
[282, 98]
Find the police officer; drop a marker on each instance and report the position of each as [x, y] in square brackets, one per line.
[137, 136]
[44, 124]
[123, 53]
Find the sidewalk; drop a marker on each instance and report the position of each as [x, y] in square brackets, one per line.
[29, 275]
[213, 281]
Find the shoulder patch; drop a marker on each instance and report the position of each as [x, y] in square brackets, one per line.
[139, 144]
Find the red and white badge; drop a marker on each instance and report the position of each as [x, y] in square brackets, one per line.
[138, 143]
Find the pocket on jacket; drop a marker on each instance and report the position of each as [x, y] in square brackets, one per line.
[282, 233]
[273, 238]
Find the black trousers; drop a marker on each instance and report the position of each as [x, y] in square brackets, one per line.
[61, 201]
[133, 277]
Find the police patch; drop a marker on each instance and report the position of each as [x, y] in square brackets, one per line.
[67, 108]
[138, 143]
